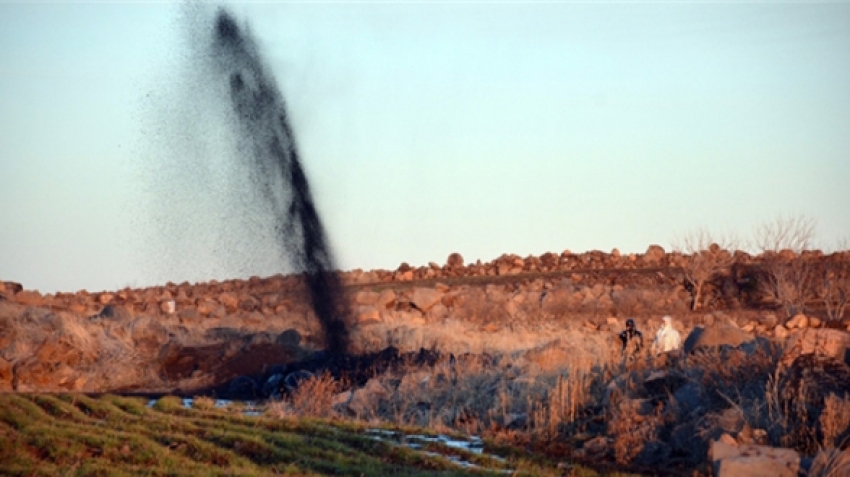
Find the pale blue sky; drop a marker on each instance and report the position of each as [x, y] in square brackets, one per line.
[425, 129]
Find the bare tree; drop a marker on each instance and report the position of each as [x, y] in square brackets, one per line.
[788, 277]
[794, 232]
[834, 289]
[705, 256]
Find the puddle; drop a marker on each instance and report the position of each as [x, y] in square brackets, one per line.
[250, 409]
[418, 442]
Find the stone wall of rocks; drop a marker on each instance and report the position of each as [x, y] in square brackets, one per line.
[510, 288]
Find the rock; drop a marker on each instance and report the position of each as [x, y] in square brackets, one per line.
[770, 320]
[78, 308]
[654, 254]
[731, 460]
[148, 335]
[189, 316]
[455, 260]
[12, 288]
[229, 300]
[730, 420]
[807, 382]
[438, 312]
[293, 380]
[243, 388]
[105, 298]
[340, 400]
[386, 299]
[597, 446]
[168, 306]
[780, 332]
[364, 401]
[798, 321]
[29, 298]
[111, 312]
[368, 315]
[250, 304]
[820, 341]
[254, 318]
[207, 306]
[691, 398]
[366, 297]
[425, 298]
[715, 336]
[289, 339]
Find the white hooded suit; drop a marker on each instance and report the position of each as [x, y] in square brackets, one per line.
[667, 338]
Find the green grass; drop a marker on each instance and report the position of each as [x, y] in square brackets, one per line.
[73, 434]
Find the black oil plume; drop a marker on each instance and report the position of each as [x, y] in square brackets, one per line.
[265, 133]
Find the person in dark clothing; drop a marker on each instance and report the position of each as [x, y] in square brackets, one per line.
[632, 339]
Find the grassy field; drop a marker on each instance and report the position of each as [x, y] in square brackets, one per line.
[73, 434]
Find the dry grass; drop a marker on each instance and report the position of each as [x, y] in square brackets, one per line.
[314, 396]
[831, 462]
[834, 419]
[630, 427]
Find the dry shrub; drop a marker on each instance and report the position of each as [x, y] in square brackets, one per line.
[834, 419]
[203, 403]
[630, 430]
[733, 372]
[568, 398]
[830, 463]
[315, 396]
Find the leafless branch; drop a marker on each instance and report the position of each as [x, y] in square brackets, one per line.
[704, 257]
[794, 232]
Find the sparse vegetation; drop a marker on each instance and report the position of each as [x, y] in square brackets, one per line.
[112, 435]
[706, 256]
[537, 370]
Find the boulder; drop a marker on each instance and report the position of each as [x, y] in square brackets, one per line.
[366, 297]
[654, 254]
[148, 335]
[455, 260]
[715, 336]
[598, 446]
[798, 321]
[207, 306]
[250, 304]
[732, 460]
[29, 298]
[12, 288]
[168, 306]
[821, 341]
[386, 299]
[810, 378]
[425, 298]
[365, 401]
[189, 316]
[289, 339]
[229, 300]
[367, 315]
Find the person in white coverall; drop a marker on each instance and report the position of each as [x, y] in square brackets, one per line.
[667, 338]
